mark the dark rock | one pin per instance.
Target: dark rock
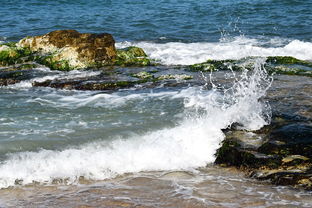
(284, 157)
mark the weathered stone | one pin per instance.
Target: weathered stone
(284, 157)
(132, 56)
(69, 49)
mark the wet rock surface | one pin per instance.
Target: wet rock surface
(282, 151)
(274, 64)
(111, 80)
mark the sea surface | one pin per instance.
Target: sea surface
(154, 147)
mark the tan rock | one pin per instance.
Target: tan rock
(78, 50)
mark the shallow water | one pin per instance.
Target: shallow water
(207, 187)
(149, 147)
(99, 143)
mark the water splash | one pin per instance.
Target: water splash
(190, 144)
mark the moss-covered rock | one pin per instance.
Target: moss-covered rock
(286, 60)
(143, 75)
(274, 64)
(214, 65)
(72, 50)
(53, 62)
(10, 55)
(175, 76)
(10, 44)
(132, 56)
(288, 65)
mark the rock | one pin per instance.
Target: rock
(175, 76)
(143, 75)
(69, 49)
(10, 55)
(213, 65)
(292, 158)
(132, 56)
(284, 157)
(6, 82)
(291, 139)
(274, 64)
(287, 60)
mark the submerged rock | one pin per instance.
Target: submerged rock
(69, 49)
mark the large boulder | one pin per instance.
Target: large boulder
(69, 49)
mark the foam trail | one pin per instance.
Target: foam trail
(69, 75)
(176, 53)
(189, 145)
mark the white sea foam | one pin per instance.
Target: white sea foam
(189, 145)
(176, 53)
(59, 75)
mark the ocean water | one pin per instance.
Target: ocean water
(119, 146)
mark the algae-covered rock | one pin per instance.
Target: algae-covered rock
(10, 55)
(287, 60)
(215, 65)
(54, 63)
(132, 56)
(274, 64)
(69, 49)
(143, 75)
(175, 76)
(288, 65)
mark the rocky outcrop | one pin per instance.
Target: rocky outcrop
(66, 50)
(69, 49)
(280, 153)
(274, 64)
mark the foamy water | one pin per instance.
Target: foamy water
(176, 53)
(190, 144)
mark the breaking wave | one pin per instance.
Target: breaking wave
(190, 144)
(176, 53)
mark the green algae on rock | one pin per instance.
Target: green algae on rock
(143, 75)
(215, 65)
(69, 49)
(175, 76)
(132, 56)
(274, 64)
(288, 65)
(10, 55)
(287, 60)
